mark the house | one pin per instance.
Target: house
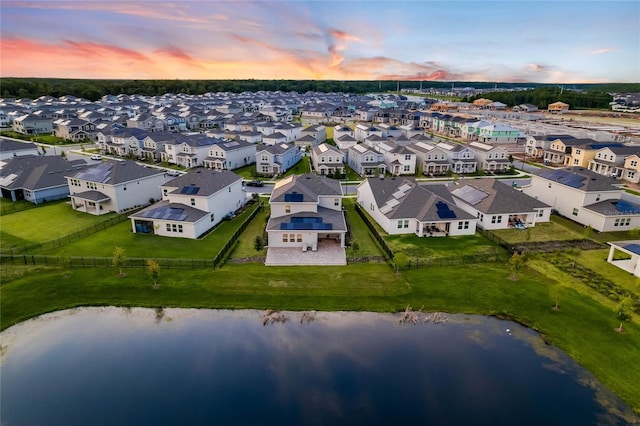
(274, 139)
(585, 197)
(525, 108)
(345, 142)
(401, 206)
(631, 169)
(74, 129)
(625, 255)
(399, 159)
(32, 124)
(230, 155)
(584, 150)
(363, 131)
(126, 141)
(462, 158)
(306, 215)
(273, 160)
(147, 122)
(609, 160)
(191, 204)
(497, 205)
(366, 161)
(342, 130)
(188, 150)
(153, 145)
(113, 186)
(318, 132)
(493, 159)
(432, 160)
(327, 160)
(10, 148)
(36, 178)
(557, 107)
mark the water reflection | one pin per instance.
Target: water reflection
(187, 366)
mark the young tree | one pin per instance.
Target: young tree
(153, 269)
(400, 260)
(119, 259)
(588, 231)
(623, 312)
(258, 243)
(355, 248)
(557, 291)
(516, 261)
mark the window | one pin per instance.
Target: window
(406, 168)
(265, 169)
(299, 238)
(403, 223)
(576, 162)
(212, 217)
(460, 224)
(598, 197)
(496, 219)
(168, 227)
(466, 224)
(287, 208)
(540, 213)
(265, 158)
(193, 201)
(633, 163)
(407, 157)
(179, 228)
(549, 184)
(336, 202)
(480, 217)
(285, 238)
(577, 152)
(575, 212)
(627, 222)
(92, 185)
(165, 191)
(631, 175)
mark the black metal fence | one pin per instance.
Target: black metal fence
(69, 238)
(101, 262)
(224, 252)
(383, 244)
(467, 259)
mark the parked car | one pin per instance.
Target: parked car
(254, 183)
(173, 173)
(96, 157)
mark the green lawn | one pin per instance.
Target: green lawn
(7, 206)
(246, 244)
(432, 248)
(48, 139)
(102, 243)
(543, 231)
(45, 223)
(596, 260)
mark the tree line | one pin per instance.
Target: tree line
(95, 89)
(543, 96)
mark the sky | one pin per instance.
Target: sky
(503, 41)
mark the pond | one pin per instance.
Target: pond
(106, 366)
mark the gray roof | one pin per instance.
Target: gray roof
(115, 172)
(334, 217)
(491, 196)
(207, 181)
(92, 196)
(176, 212)
(419, 202)
(37, 172)
(7, 145)
(309, 185)
(615, 208)
(579, 178)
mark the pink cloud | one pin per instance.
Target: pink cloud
(601, 51)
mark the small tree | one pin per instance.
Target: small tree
(623, 312)
(516, 261)
(119, 259)
(153, 269)
(258, 243)
(588, 231)
(557, 292)
(355, 248)
(63, 154)
(400, 260)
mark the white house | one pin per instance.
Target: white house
(401, 206)
(399, 159)
(497, 205)
(585, 197)
(191, 204)
(327, 159)
(305, 211)
(276, 159)
(10, 148)
(114, 186)
(365, 161)
(188, 150)
(491, 158)
(230, 155)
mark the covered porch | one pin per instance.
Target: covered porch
(626, 256)
(91, 202)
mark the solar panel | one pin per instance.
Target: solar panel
(299, 226)
(633, 248)
(293, 198)
(165, 212)
(444, 212)
(306, 220)
(626, 207)
(470, 194)
(190, 190)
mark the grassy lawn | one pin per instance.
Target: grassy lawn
(44, 223)
(7, 206)
(555, 230)
(245, 247)
(432, 248)
(596, 260)
(583, 327)
(48, 139)
(303, 166)
(102, 243)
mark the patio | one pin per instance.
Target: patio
(328, 252)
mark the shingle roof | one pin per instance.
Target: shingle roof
(158, 211)
(491, 196)
(37, 172)
(579, 178)
(309, 185)
(11, 145)
(207, 181)
(115, 172)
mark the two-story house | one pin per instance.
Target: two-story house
(366, 161)
(399, 159)
(492, 159)
(631, 169)
(126, 141)
(191, 204)
(188, 150)
(318, 132)
(32, 124)
(609, 160)
(230, 155)
(114, 186)
(74, 129)
(273, 160)
(306, 216)
(327, 160)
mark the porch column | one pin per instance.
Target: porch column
(611, 252)
(636, 270)
(342, 240)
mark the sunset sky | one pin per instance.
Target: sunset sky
(511, 41)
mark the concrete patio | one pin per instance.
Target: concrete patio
(329, 253)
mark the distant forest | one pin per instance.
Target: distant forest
(594, 98)
(95, 89)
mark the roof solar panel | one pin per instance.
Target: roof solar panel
(626, 207)
(633, 248)
(165, 212)
(190, 190)
(293, 197)
(444, 212)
